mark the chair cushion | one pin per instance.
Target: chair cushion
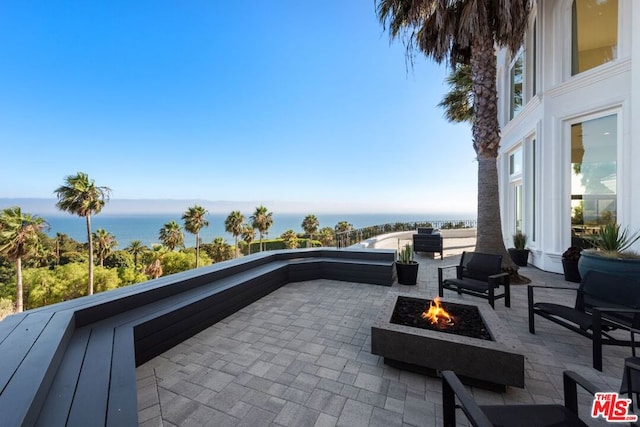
(471, 284)
(581, 319)
(531, 415)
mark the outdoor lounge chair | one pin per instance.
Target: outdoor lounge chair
(512, 415)
(631, 379)
(477, 274)
(604, 303)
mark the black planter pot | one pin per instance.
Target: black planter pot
(519, 256)
(407, 273)
(571, 273)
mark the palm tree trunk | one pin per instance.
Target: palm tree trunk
(19, 290)
(90, 240)
(236, 237)
(486, 142)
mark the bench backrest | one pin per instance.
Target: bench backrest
(425, 230)
(479, 266)
(598, 289)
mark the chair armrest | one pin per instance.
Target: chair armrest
(495, 278)
(530, 289)
(452, 388)
(571, 380)
(553, 287)
(597, 313)
(447, 266)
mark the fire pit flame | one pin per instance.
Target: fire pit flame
(436, 314)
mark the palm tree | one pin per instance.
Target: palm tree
(261, 220)
(171, 235)
(326, 236)
(467, 32)
(310, 226)
(154, 269)
(290, 239)
(234, 224)
(458, 102)
(105, 244)
(136, 248)
(248, 235)
(81, 196)
(220, 250)
(194, 221)
(19, 239)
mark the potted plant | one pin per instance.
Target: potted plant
(406, 266)
(519, 254)
(570, 259)
(611, 253)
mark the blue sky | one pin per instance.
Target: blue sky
(248, 100)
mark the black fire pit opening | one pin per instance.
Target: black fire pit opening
(467, 320)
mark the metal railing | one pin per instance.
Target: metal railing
(351, 237)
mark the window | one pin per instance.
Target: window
(516, 79)
(515, 163)
(593, 174)
(522, 73)
(594, 37)
(515, 184)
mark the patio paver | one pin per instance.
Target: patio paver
(301, 357)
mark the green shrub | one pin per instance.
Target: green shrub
(6, 307)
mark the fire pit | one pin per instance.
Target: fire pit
(486, 355)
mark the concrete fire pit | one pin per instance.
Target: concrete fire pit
(490, 364)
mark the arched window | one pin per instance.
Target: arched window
(594, 37)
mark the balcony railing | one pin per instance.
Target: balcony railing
(351, 237)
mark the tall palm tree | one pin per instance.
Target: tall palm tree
(194, 221)
(19, 239)
(234, 224)
(262, 221)
(248, 235)
(105, 244)
(467, 32)
(310, 225)
(171, 235)
(136, 248)
(81, 196)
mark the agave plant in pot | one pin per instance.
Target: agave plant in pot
(611, 252)
(406, 266)
(519, 254)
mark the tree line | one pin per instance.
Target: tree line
(37, 270)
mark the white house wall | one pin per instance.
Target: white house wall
(560, 100)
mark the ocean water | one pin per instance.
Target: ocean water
(146, 227)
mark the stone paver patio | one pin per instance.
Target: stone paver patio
(301, 357)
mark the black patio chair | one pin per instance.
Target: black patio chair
(512, 415)
(631, 379)
(604, 303)
(479, 275)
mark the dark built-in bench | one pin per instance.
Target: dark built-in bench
(74, 363)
